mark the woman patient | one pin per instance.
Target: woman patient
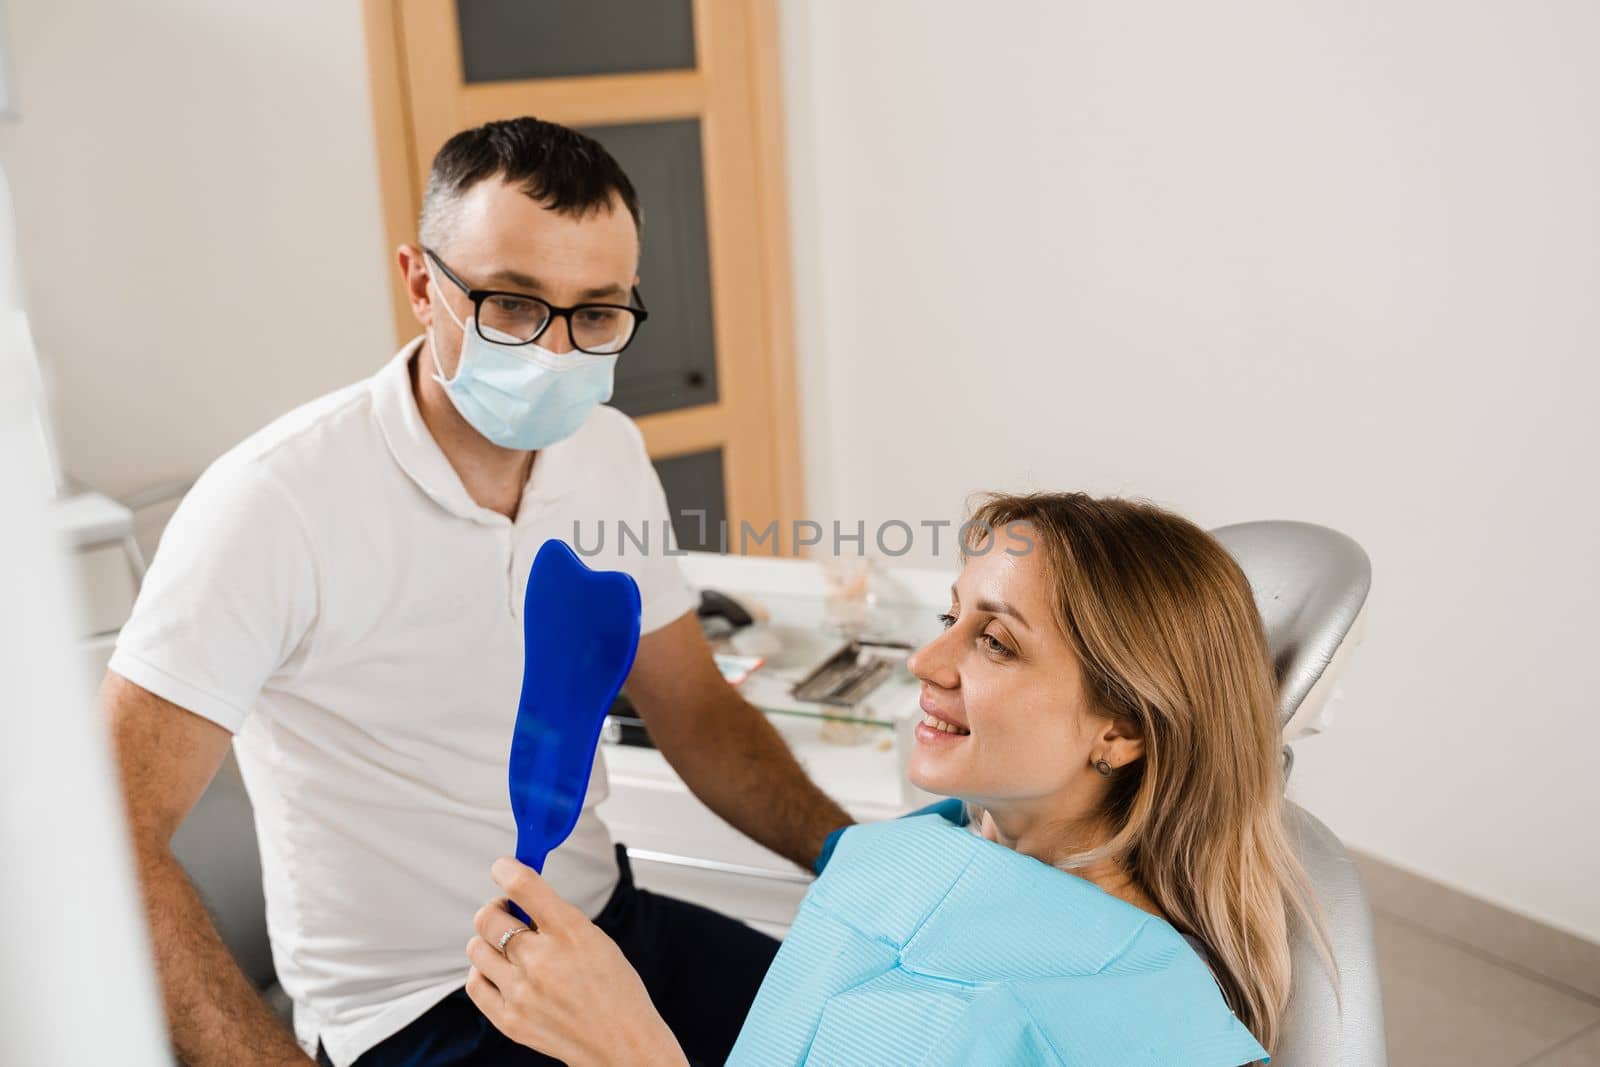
(1121, 885)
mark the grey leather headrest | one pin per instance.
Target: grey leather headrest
(1310, 584)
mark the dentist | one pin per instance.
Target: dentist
(339, 598)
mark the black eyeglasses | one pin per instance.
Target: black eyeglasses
(519, 319)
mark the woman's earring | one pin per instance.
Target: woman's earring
(1103, 767)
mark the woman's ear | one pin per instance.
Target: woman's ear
(1119, 744)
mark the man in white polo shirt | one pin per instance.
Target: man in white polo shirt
(340, 597)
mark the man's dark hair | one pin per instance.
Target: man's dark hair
(562, 169)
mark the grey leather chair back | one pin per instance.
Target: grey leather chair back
(217, 846)
(1310, 585)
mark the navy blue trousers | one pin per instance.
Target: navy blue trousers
(702, 970)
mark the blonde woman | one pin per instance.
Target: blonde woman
(1122, 889)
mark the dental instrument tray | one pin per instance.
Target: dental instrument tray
(851, 672)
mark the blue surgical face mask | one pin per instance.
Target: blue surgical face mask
(521, 397)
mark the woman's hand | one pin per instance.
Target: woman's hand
(563, 987)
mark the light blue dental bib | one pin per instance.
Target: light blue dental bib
(922, 943)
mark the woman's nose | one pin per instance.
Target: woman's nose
(933, 663)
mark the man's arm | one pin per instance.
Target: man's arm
(726, 751)
(167, 757)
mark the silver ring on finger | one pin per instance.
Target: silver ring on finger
(505, 938)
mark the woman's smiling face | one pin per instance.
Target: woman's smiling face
(1006, 719)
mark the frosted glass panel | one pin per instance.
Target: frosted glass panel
(672, 363)
(510, 40)
(694, 484)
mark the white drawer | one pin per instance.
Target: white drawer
(665, 817)
(760, 900)
(679, 847)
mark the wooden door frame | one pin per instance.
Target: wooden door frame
(664, 94)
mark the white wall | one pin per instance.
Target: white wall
(196, 190)
(1335, 262)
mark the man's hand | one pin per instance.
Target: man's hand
(562, 987)
(167, 758)
(726, 751)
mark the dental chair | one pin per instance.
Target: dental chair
(1310, 585)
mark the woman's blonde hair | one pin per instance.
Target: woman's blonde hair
(1170, 643)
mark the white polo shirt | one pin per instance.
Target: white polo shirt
(329, 592)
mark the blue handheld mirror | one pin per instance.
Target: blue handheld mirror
(580, 633)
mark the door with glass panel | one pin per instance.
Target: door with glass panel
(684, 93)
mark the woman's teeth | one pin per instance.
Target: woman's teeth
(942, 726)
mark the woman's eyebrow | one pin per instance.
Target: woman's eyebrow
(1000, 607)
(993, 607)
